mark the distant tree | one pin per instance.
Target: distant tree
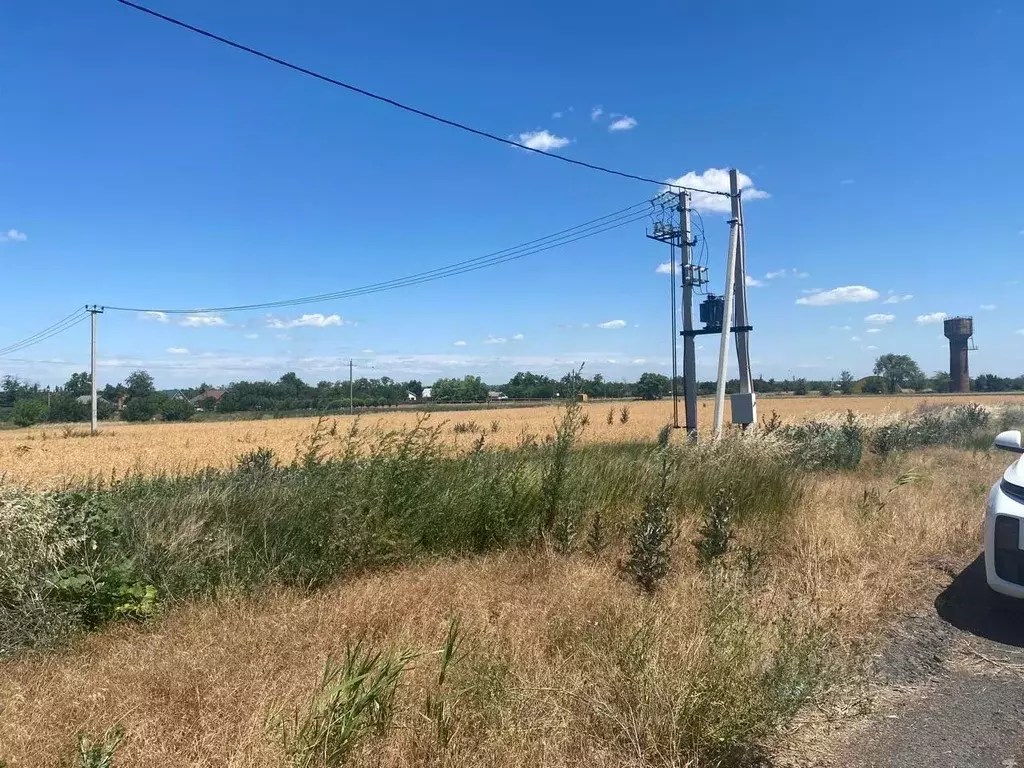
(79, 384)
(651, 386)
(874, 385)
(800, 387)
(470, 388)
(28, 412)
(141, 408)
(846, 382)
(940, 381)
(66, 408)
(416, 387)
(139, 384)
(898, 371)
(177, 410)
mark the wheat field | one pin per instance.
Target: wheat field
(45, 457)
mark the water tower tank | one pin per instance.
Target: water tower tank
(959, 331)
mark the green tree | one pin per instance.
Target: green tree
(28, 412)
(846, 382)
(177, 410)
(141, 408)
(65, 408)
(79, 384)
(898, 371)
(139, 384)
(651, 386)
(800, 387)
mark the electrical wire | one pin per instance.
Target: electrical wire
(399, 105)
(49, 332)
(594, 227)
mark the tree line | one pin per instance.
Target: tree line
(26, 403)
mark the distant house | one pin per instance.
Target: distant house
(410, 397)
(495, 395)
(210, 397)
(428, 393)
(174, 394)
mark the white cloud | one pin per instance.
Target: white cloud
(542, 140)
(715, 180)
(801, 275)
(596, 112)
(315, 320)
(1019, 331)
(806, 291)
(202, 321)
(847, 182)
(988, 307)
(367, 351)
(776, 273)
(622, 123)
(874, 330)
(13, 235)
(177, 351)
(612, 324)
(518, 337)
(897, 298)
(933, 317)
(252, 335)
(495, 340)
(160, 317)
(664, 269)
(879, 319)
(870, 347)
(459, 343)
(753, 282)
(855, 338)
(556, 115)
(846, 294)
(839, 327)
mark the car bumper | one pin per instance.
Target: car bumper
(1004, 567)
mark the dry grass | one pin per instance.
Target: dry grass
(42, 457)
(549, 679)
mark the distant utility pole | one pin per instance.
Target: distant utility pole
(690, 278)
(93, 310)
(351, 400)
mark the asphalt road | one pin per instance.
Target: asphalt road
(952, 683)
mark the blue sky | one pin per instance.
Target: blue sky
(145, 166)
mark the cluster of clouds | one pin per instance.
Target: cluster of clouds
(544, 140)
(13, 236)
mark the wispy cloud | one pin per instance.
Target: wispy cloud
(753, 282)
(13, 236)
(202, 321)
(160, 317)
(874, 330)
(775, 274)
(931, 317)
(855, 338)
(596, 113)
(315, 320)
(518, 337)
(495, 340)
(847, 182)
(543, 140)
(715, 180)
(611, 324)
(845, 294)
(664, 269)
(459, 343)
(988, 307)
(556, 115)
(785, 273)
(879, 319)
(177, 351)
(622, 123)
(896, 298)
(252, 335)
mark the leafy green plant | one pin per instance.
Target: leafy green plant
(555, 473)
(99, 754)
(440, 706)
(650, 536)
(28, 412)
(353, 700)
(715, 532)
(597, 534)
(664, 435)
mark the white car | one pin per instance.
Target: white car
(1004, 524)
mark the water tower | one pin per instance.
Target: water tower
(959, 331)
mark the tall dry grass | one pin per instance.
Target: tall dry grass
(564, 663)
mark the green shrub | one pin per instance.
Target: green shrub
(177, 410)
(650, 536)
(28, 412)
(141, 408)
(64, 408)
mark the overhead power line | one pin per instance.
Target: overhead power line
(399, 105)
(76, 317)
(591, 228)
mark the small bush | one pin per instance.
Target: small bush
(650, 535)
(143, 408)
(624, 414)
(610, 418)
(28, 412)
(716, 531)
(465, 427)
(177, 410)
(99, 754)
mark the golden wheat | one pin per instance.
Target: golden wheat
(43, 457)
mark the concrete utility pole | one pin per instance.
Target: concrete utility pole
(749, 409)
(689, 353)
(723, 347)
(675, 335)
(93, 310)
(351, 390)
